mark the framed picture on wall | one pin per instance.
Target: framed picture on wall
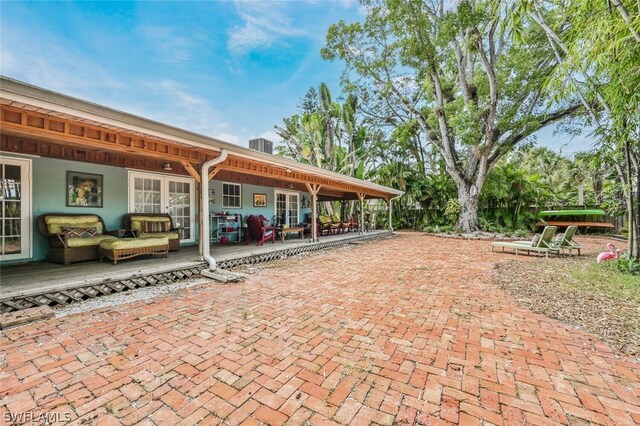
(259, 200)
(84, 189)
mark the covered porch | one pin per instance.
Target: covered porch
(43, 283)
(142, 166)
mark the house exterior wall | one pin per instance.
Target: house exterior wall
(247, 208)
(48, 196)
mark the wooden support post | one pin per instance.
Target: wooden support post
(203, 239)
(313, 193)
(361, 196)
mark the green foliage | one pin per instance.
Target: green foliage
(325, 134)
(450, 76)
(452, 210)
(521, 233)
(597, 45)
(628, 265)
(511, 195)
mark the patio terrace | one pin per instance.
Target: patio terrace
(409, 330)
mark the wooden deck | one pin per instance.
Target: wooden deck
(44, 283)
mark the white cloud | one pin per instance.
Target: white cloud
(50, 64)
(169, 46)
(171, 102)
(270, 135)
(228, 137)
(264, 24)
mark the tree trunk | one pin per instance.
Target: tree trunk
(581, 194)
(637, 241)
(468, 200)
(633, 225)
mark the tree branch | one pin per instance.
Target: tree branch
(515, 138)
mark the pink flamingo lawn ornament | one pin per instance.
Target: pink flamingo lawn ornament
(612, 254)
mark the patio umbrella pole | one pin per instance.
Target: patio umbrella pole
(213, 271)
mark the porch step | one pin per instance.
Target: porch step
(25, 316)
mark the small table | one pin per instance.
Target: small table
(285, 231)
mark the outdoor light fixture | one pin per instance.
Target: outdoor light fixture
(212, 196)
(290, 186)
(288, 170)
(167, 167)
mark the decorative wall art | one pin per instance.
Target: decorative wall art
(84, 189)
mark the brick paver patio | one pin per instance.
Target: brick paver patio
(408, 330)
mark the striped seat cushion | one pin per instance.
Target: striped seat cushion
(151, 227)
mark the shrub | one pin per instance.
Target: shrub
(628, 265)
(452, 210)
(521, 233)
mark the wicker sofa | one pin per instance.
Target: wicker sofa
(153, 225)
(65, 245)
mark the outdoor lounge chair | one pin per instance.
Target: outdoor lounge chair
(565, 241)
(258, 232)
(544, 244)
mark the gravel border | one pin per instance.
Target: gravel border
(144, 294)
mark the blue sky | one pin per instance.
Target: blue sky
(227, 69)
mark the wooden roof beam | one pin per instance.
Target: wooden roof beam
(189, 168)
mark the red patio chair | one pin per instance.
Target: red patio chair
(258, 232)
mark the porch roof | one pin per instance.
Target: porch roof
(181, 146)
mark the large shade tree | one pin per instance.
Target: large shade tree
(473, 91)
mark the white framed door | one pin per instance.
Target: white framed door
(15, 209)
(151, 193)
(287, 207)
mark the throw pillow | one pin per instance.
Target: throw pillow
(80, 232)
(151, 227)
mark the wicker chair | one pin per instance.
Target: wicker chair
(326, 225)
(65, 249)
(343, 226)
(133, 222)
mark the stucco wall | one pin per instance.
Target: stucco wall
(48, 186)
(247, 201)
(247, 208)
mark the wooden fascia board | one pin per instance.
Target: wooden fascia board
(23, 129)
(28, 132)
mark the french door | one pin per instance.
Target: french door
(15, 208)
(288, 208)
(150, 193)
